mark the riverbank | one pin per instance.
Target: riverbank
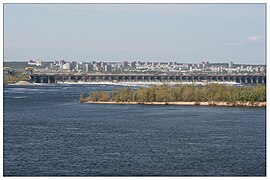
(210, 103)
(25, 83)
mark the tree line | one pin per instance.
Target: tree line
(186, 93)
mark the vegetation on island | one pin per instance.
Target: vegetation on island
(10, 79)
(181, 93)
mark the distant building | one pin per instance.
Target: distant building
(107, 68)
(205, 64)
(88, 67)
(79, 65)
(31, 62)
(133, 64)
(29, 70)
(35, 63)
(7, 70)
(125, 63)
(66, 66)
(242, 68)
(62, 62)
(257, 69)
(73, 65)
(138, 63)
(102, 64)
(231, 65)
(263, 70)
(95, 67)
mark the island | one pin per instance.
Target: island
(208, 95)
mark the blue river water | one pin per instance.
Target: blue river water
(48, 133)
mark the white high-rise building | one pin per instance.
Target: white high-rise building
(66, 66)
(35, 63)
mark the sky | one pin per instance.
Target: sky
(188, 33)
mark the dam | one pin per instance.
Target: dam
(80, 77)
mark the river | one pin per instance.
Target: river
(48, 133)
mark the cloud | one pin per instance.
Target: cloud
(240, 43)
(249, 40)
(256, 38)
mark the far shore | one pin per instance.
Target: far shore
(210, 103)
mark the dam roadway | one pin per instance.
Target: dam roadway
(84, 77)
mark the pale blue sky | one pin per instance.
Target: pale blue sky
(147, 32)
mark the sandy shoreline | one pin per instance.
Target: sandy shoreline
(210, 103)
(24, 83)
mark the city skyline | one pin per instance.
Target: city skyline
(188, 33)
(134, 60)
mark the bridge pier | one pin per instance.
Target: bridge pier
(50, 78)
(34, 79)
(41, 79)
(251, 80)
(246, 80)
(263, 80)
